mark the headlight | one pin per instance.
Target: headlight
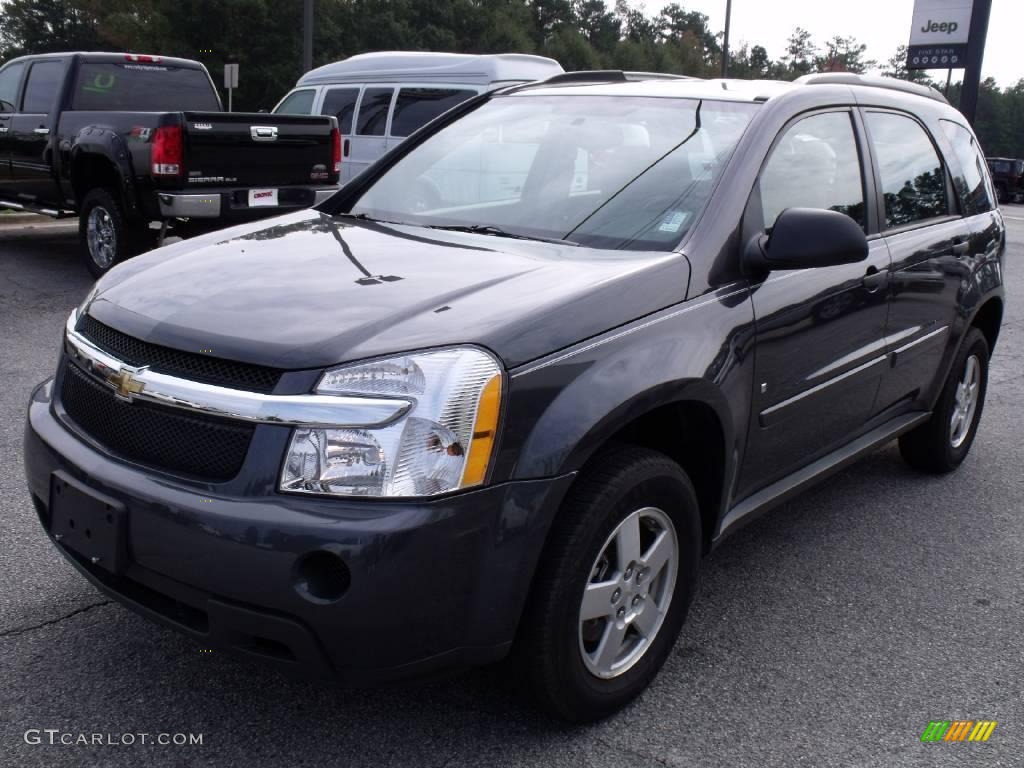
(442, 444)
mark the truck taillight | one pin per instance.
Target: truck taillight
(336, 150)
(168, 151)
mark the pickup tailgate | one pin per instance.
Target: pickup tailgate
(257, 149)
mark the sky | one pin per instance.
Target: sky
(881, 24)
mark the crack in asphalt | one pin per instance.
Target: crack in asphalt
(15, 631)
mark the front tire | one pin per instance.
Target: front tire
(105, 234)
(941, 444)
(613, 586)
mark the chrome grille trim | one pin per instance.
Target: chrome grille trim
(197, 397)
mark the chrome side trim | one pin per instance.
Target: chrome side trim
(767, 414)
(921, 340)
(292, 410)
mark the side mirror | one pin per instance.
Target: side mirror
(6, 106)
(807, 237)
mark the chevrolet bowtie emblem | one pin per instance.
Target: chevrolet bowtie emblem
(125, 385)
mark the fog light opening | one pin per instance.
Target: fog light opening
(321, 576)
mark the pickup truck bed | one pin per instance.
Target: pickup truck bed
(123, 140)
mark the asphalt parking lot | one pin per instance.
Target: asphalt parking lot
(828, 633)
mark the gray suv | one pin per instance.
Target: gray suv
(506, 389)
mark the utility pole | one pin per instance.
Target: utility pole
(725, 39)
(307, 35)
(975, 54)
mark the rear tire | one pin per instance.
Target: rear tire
(942, 443)
(106, 235)
(628, 500)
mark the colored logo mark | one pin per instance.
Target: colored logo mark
(958, 730)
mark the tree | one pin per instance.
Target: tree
(799, 57)
(31, 26)
(844, 54)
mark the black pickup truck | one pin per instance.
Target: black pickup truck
(125, 140)
(1008, 178)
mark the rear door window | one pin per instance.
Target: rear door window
(297, 103)
(373, 111)
(10, 79)
(913, 182)
(136, 87)
(341, 102)
(972, 182)
(415, 107)
(44, 80)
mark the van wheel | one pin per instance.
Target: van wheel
(942, 443)
(105, 234)
(613, 585)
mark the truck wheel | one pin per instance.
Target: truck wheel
(941, 443)
(1001, 196)
(105, 234)
(613, 584)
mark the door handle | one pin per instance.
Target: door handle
(345, 150)
(874, 279)
(41, 131)
(961, 247)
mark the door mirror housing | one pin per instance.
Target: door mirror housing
(807, 237)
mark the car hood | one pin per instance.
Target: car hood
(308, 290)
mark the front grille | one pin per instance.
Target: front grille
(205, 447)
(174, 362)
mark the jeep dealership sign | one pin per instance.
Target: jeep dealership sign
(938, 35)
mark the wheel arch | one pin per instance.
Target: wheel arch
(100, 158)
(988, 318)
(689, 422)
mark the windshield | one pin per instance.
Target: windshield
(132, 87)
(620, 173)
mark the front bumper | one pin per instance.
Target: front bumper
(433, 583)
(234, 203)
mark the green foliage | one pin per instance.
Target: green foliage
(265, 38)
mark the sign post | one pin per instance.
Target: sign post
(950, 34)
(230, 81)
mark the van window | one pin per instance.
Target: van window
(973, 184)
(297, 103)
(415, 107)
(10, 78)
(341, 102)
(44, 78)
(814, 165)
(373, 111)
(912, 180)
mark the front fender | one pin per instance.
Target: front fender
(563, 408)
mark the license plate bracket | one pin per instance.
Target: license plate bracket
(262, 198)
(88, 523)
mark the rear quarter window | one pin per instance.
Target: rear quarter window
(132, 87)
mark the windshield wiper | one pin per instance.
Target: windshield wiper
(480, 229)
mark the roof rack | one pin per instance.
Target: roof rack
(587, 76)
(889, 83)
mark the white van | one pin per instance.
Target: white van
(380, 98)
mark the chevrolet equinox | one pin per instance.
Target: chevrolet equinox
(507, 387)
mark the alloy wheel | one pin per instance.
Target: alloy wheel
(966, 402)
(101, 236)
(629, 592)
